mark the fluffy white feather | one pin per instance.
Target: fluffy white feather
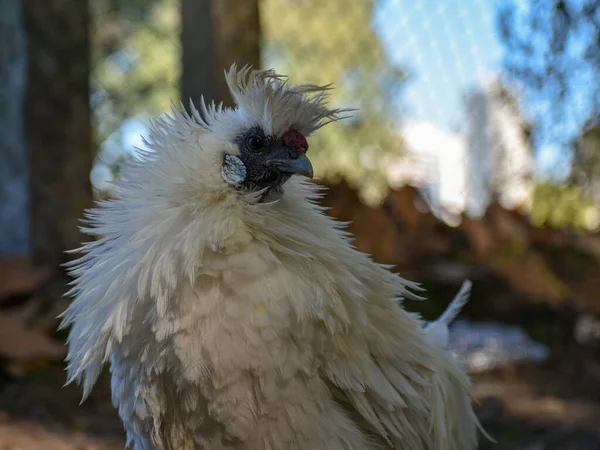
(232, 323)
(438, 331)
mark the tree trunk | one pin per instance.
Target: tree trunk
(14, 172)
(215, 34)
(58, 126)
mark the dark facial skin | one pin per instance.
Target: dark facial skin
(270, 161)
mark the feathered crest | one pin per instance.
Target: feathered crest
(264, 97)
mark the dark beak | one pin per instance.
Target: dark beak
(299, 166)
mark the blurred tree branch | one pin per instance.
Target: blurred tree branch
(14, 202)
(215, 34)
(58, 129)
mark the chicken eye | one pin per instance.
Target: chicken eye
(255, 143)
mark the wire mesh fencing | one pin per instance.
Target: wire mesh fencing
(436, 107)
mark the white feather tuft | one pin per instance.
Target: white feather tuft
(438, 331)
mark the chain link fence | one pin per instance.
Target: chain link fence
(438, 104)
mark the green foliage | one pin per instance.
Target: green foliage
(136, 60)
(137, 69)
(552, 51)
(563, 206)
(334, 42)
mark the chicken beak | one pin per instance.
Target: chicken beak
(298, 166)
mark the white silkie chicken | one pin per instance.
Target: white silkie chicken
(236, 315)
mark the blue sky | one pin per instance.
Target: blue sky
(446, 45)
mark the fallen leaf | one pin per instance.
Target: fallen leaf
(18, 276)
(25, 344)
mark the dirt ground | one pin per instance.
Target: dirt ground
(553, 406)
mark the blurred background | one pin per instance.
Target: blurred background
(474, 153)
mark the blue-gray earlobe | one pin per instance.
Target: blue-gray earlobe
(233, 170)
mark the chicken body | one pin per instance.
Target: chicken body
(238, 320)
